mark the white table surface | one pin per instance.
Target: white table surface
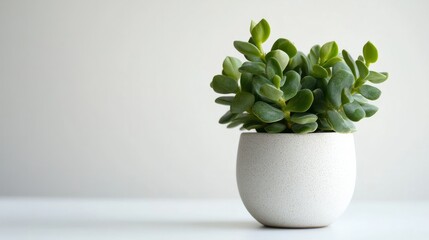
(196, 219)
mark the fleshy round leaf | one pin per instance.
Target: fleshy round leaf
(230, 67)
(281, 57)
(338, 123)
(223, 84)
(303, 118)
(331, 62)
(308, 82)
(224, 100)
(271, 92)
(275, 127)
(351, 63)
(277, 81)
(323, 124)
(369, 109)
(286, 46)
(258, 82)
(260, 32)
(304, 128)
(363, 69)
(227, 117)
(346, 96)
(376, 77)
(292, 84)
(273, 68)
(370, 92)
(354, 111)
(246, 82)
(267, 113)
(319, 103)
(342, 79)
(247, 49)
(340, 66)
(301, 102)
(257, 68)
(252, 125)
(314, 55)
(370, 53)
(328, 51)
(319, 71)
(296, 61)
(242, 102)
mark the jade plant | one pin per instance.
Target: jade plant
(284, 90)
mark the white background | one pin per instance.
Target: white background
(112, 98)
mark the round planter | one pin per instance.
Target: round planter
(296, 180)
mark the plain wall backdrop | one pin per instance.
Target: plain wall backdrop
(112, 98)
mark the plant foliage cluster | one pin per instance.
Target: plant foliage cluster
(285, 90)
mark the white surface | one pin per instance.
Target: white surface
(196, 219)
(296, 180)
(106, 98)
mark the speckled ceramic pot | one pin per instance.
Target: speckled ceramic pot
(296, 180)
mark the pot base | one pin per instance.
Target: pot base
(296, 180)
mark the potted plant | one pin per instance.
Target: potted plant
(298, 169)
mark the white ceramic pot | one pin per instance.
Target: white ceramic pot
(296, 180)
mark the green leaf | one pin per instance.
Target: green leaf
(376, 77)
(340, 66)
(301, 102)
(328, 51)
(319, 103)
(224, 100)
(246, 82)
(363, 70)
(227, 117)
(296, 61)
(305, 67)
(271, 92)
(314, 55)
(369, 109)
(359, 98)
(304, 128)
(341, 79)
(242, 102)
(223, 84)
(331, 62)
(258, 82)
(338, 123)
(261, 32)
(354, 111)
(303, 118)
(252, 25)
(257, 68)
(292, 84)
(308, 82)
(370, 92)
(247, 49)
(286, 46)
(230, 67)
(242, 119)
(370, 53)
(252, 125)
(346, 96)
(351, 63)
(267, 113)
(323, 124)
(275, 127)
(281, 57)
(319, 71)
(277, 81)
(273, 68)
